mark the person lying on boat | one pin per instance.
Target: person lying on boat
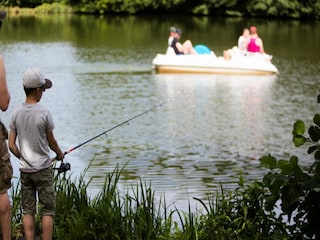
(255, 44)
(184, 48)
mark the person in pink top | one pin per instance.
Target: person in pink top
(255, 43)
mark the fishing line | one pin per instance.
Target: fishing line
(66, 166)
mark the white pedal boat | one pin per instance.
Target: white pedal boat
(255, 64)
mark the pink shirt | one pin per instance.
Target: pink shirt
(252, 46)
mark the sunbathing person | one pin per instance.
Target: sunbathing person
(185, 48)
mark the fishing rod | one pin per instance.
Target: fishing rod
(66, 166)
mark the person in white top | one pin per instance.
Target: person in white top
(172, 34)
(241, 48)
(243, 39)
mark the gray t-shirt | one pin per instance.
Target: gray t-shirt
(31, 122)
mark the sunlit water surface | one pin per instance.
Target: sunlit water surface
(203, 130)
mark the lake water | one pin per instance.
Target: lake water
(210, 128)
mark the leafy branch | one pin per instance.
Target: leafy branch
(298, 191)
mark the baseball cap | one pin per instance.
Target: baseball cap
(34, 78)
(178, 30)
(172, 29)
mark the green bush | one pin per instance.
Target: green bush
(297, 189)
(249, 8)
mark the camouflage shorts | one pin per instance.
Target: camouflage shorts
(41, 182)
(5, 164)
(5, 173)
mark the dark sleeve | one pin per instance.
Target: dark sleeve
(173, 45)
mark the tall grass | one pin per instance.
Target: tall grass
(110, 214)
(240, 214)
(16, 226)
(138, 215)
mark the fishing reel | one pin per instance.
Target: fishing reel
(64, 167)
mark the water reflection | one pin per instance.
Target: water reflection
(211, 129)
(227, 110)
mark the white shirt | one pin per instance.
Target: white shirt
(30, 123)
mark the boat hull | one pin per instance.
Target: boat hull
(209, 63)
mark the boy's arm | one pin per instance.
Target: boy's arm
(54, 145)
(12, 144)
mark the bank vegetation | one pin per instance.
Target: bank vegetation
(297, 9)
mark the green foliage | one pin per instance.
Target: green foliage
(298, 131)
(138, 6)
(261, 8)
(240, 214)
(53, 8)
(250, 211)
(109, 215)
(201, 10)
(298, 190)
(16, 220)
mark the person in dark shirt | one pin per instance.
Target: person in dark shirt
(184, 48)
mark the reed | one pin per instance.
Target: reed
(240, 214)
(109, 215)
(16, 226)
(137, 214)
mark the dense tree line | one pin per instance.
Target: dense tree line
(247, 8)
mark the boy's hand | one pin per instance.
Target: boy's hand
(60, 156)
